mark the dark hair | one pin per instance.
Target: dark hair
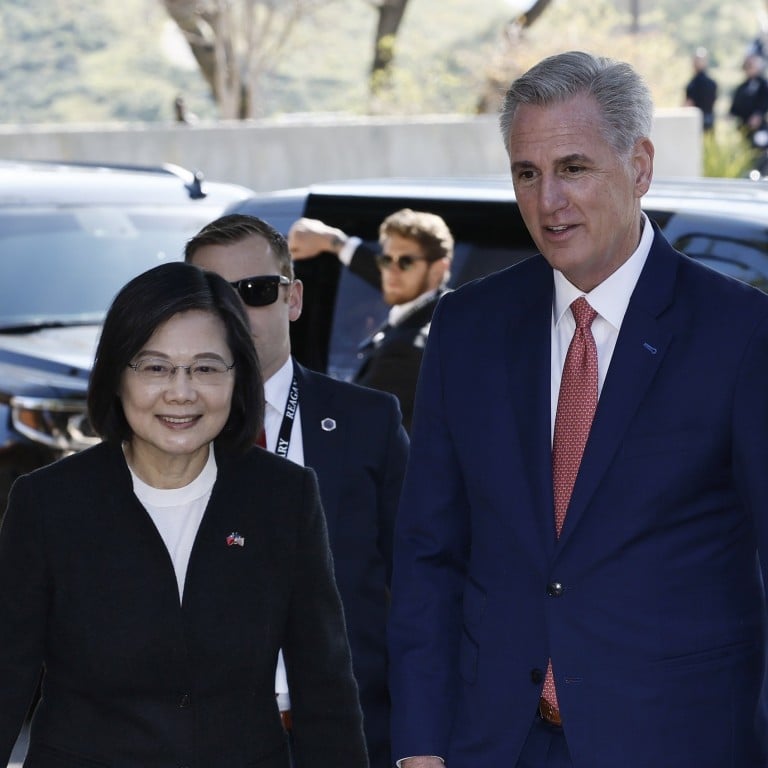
(235, 227)
(138, 310)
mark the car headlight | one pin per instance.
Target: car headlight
(61, 424)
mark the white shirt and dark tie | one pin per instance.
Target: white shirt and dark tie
(276, 390)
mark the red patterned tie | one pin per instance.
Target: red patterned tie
(576, 406)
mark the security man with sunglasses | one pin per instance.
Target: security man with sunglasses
(351, 436)
(412, 270)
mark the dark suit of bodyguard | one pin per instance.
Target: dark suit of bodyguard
(391, 357)
(411, 270)
(351, 436)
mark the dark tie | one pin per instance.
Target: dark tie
(576, 405)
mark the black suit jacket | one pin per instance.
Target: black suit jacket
(354, 440)
(133, 677)
(391, 357)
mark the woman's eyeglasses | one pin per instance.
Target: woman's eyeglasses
(260, 291)
(404, 263)
(205, 371)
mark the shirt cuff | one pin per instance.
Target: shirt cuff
(348, 250)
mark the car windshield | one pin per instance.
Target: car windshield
(63, 266)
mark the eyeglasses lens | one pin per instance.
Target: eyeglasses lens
(205, 371)
(404, 263)
(259, 291)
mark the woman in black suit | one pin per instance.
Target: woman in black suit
(155, 576)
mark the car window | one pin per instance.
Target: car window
(360, 309)
(725, 231)
(743, 259)
(67, 264)
(734, 246)
(471, 260)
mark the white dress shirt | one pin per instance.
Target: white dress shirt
(348, 250)
(609, 299)
(276, 389)
(399, 312)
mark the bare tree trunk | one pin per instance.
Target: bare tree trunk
(526, 19)
(228, 75)
(391, 14)
(235, 42)
(199, 36)
(498, 72)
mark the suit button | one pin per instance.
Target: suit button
(555, 589)
(184, 701)
(537, 676)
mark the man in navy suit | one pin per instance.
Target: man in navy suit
(350, 435)
(634, 634)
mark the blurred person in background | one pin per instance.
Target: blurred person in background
(155, 576)
(412, 270)
(351, 436)
(701, 90)
(750, 101)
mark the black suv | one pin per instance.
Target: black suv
(722, 222)
(70, 237)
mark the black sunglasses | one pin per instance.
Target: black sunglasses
(260, 291)
(404, 263)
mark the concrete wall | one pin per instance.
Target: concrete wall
(295, 151)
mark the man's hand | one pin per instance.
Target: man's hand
(422, 762)
(310, 237)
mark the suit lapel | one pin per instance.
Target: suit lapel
(323, 429)
(640, 348)
(528, 342)
(418, 317)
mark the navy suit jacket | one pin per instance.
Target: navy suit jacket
(360, 464)
(657, 632)
(136, 678)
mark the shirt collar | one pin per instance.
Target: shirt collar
(399, 311)
(611, 298)
(277, 386)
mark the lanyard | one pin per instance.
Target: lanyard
(284, 436)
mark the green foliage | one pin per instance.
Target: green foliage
(727, 154)
(75, 60)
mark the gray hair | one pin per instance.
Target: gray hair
(622, 95)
